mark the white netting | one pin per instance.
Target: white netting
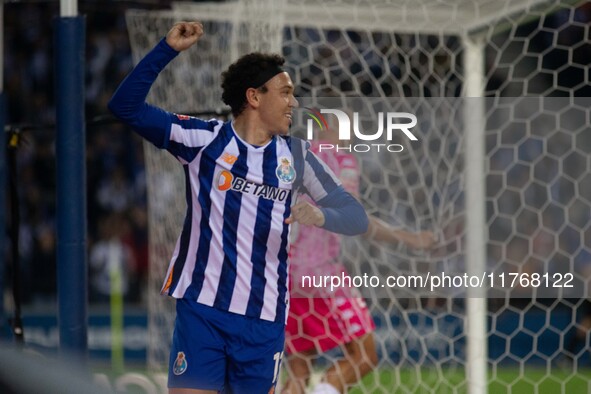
(538, 189)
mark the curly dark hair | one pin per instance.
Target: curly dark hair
(250, 71)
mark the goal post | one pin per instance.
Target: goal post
(476, 229)
(500, 171)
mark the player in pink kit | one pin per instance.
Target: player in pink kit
(320, 320)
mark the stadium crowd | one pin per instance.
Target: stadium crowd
(116, 194)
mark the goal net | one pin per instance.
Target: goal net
(500, 173)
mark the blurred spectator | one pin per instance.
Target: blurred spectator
(137, 240)
(115, 193)
(111, 260)
(43, 278)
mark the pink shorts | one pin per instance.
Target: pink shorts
(325, 323)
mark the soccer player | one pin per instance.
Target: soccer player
(229, 270)
(318, 320)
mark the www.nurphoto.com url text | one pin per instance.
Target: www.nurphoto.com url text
(441, 280)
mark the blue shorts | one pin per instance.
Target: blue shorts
(218, 350)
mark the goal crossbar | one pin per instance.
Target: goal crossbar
(422, 16)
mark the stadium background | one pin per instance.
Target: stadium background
(116, 174)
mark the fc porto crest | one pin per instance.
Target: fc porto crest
(180, 364)
(285, 171)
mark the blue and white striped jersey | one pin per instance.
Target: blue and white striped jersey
(232, 253)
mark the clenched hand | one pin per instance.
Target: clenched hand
(183, 35)
(305, 213)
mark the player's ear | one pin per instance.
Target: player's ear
(252, 97)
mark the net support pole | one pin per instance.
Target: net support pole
(71, 183)
(4, 329)
(476, 305)
(68, 8)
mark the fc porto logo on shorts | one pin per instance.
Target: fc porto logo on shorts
(285, 171)
(180, 364)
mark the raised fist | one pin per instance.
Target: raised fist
(183, 35)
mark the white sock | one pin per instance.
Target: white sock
(325, 388)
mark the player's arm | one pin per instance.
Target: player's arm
(129, 100)
(343, 213)
(381, 231)
(337, 211)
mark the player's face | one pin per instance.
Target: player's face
(278, 103)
